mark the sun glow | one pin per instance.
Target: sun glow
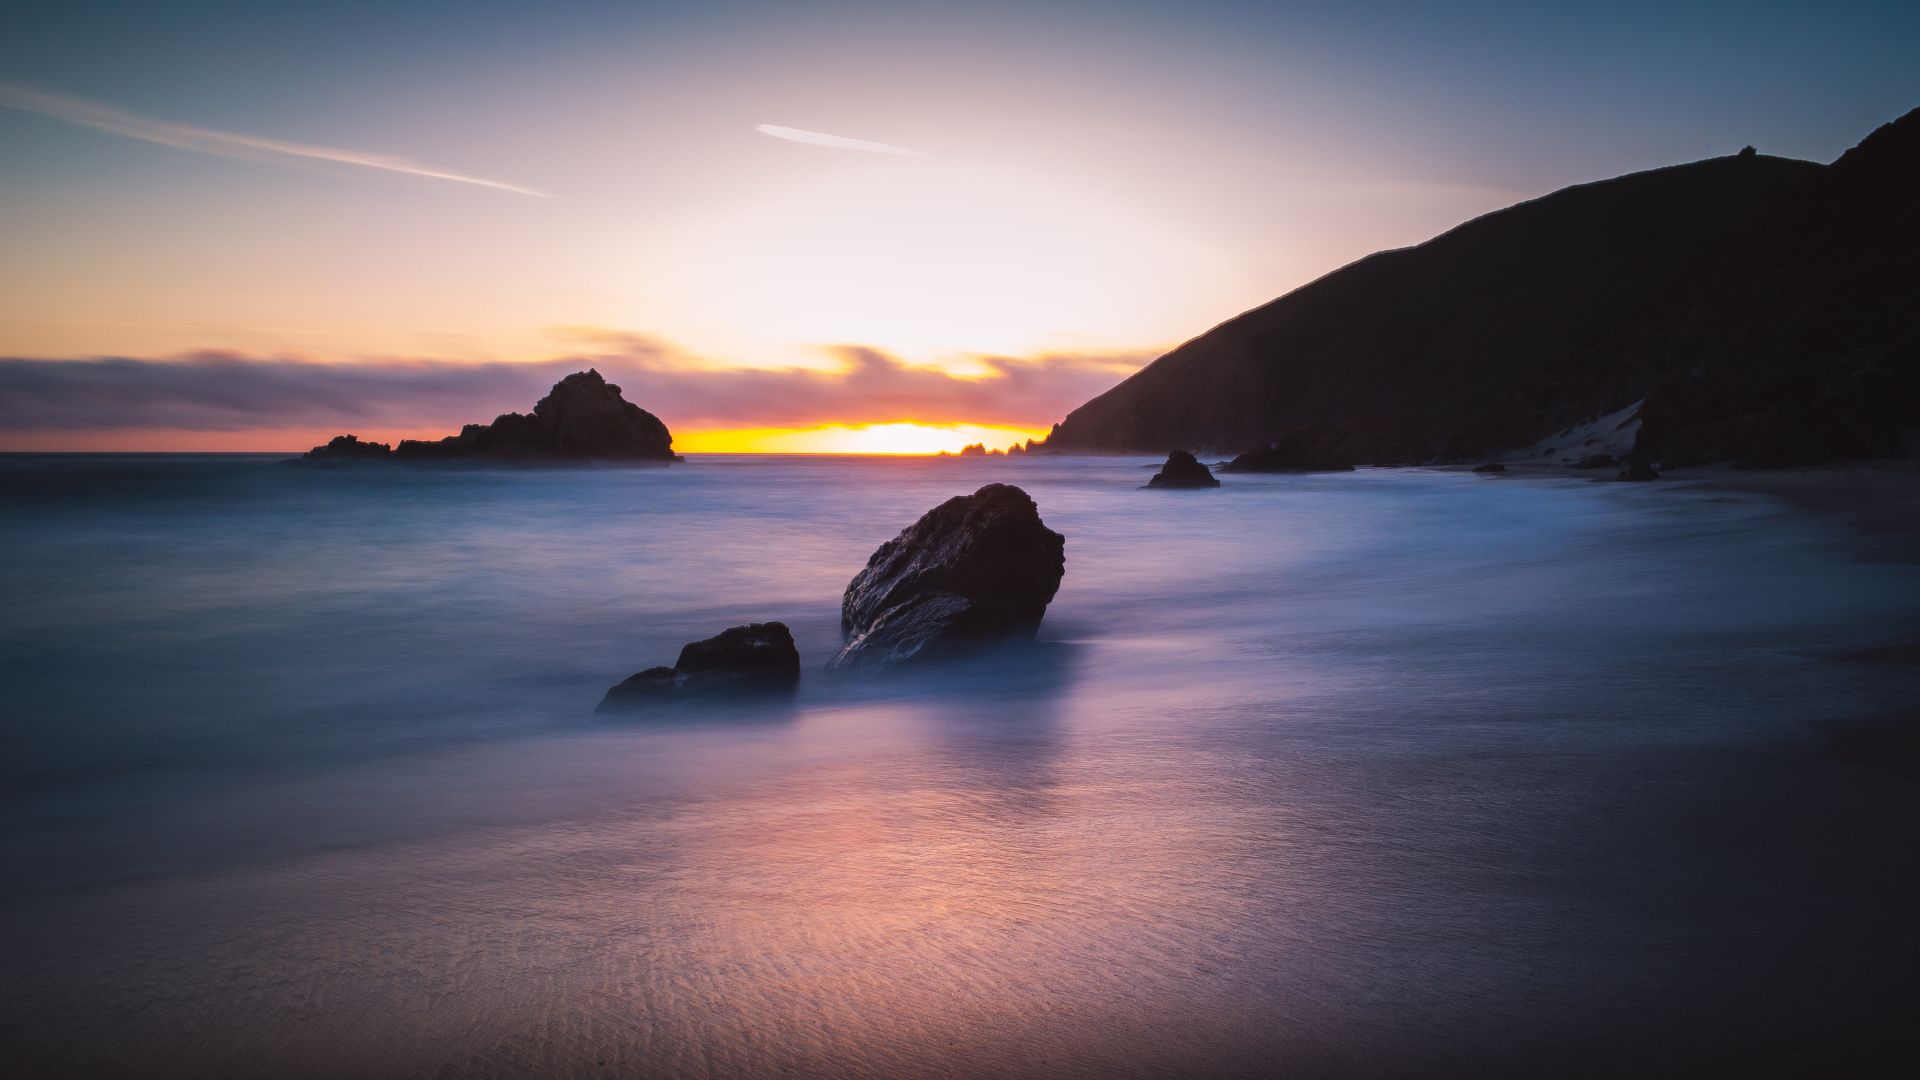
(924, 259)
(896, 438)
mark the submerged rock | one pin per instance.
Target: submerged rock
(1639, 470)
(583, 418)
(975, 569)
(1490, 467)
(1183, 470)
(758, 658)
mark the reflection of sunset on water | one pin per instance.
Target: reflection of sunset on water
(900, 438)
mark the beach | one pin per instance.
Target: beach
(1386, 772)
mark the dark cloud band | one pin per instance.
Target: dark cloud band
(219, 391)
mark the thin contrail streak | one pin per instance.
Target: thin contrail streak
(836, 142)
(223, 143)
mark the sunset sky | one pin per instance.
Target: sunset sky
(790, 226)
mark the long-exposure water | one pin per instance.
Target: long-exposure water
(1395, 771)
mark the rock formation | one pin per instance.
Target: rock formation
(976, 569)
(758, 658)
(1182, 470)
(582, 419)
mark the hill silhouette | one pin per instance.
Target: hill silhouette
(1800, 344)
(1714, 289)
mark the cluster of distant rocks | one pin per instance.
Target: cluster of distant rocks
(980, 450)
(1183, 470)
(975, 570)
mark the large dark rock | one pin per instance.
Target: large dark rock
(757, 659)
(583, 418)
(976, 569)
(1182, 470)
(1638, 470)
(1291, 453)
(1596, 461)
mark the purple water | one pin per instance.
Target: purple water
(1385, 772)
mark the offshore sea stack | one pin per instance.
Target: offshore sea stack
(972, 571)
(1183, 470)
(582, 419)
(758, 660)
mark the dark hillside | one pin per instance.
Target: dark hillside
(1444, 339)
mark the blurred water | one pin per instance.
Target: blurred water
(1380, 772)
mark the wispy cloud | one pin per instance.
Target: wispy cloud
(834, 142)
(224, 143)
(222, 391)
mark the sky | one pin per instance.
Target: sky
(791, 226)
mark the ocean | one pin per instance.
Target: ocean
(1385, 772)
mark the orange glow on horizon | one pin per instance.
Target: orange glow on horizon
(904, 437)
